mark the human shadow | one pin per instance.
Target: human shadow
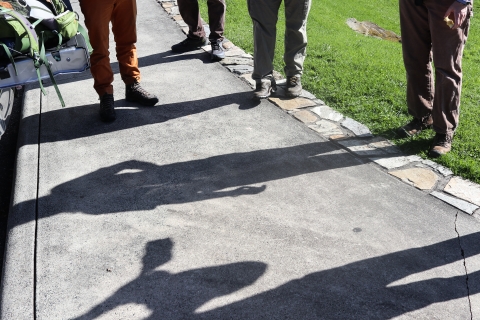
(367, 290)
(364, 289)
(143, 62)
(83, 121)
(136, 185)
(177, 295)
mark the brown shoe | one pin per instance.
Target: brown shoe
(442, 144)
(294, 87)
(264, 88)
(415, 126)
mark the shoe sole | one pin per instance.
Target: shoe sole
(147, 104)
(217, 57)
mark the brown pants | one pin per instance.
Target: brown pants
(216, 18)
(425, 36)
(98, 15)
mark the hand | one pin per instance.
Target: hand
(459, 13)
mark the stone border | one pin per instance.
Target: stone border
(351, 135)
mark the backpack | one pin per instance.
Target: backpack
(29, 28)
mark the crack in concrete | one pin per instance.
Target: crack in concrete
(465, 266)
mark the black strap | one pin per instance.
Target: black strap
(418, 2)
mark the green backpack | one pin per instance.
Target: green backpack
(32, 37)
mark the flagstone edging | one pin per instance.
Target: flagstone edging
(424, 174)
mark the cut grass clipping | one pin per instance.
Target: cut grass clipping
(364, 77)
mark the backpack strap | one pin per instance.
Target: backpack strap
(9, 55)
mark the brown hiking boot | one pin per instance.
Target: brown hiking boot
(415, 126)
(264, 88)
(294, 87)
(442, 144)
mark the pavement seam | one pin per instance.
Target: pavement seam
(35, 248)
(351, 135)
(465, 267)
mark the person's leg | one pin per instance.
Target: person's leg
(448, 48)
(296, 13)
(417, 56)
(216, 19)
(125, 33)
(97, 19)
(196, 37)
(264, 14)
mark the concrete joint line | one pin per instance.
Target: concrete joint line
(462, 252)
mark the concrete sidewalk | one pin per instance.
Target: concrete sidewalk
(213, 206)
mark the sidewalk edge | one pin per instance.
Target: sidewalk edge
(18, 278)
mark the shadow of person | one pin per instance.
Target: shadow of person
(177, 295)
(376, 288)
(84, 120)
(138, 186)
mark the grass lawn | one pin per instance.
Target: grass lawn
(364, 77)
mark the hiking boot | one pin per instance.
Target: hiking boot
(107, 111)
(218, 52)
(442, 144)
(264, 88)
(189, 44)
(294, 86)
(135, 93)
(415, 126)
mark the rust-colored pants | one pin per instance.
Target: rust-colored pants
(425, 36)
(98, 15)
(216, 18)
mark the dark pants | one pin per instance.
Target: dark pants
(426, 37)
(216, 18)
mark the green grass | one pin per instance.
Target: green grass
(364, 77)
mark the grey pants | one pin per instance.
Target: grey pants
(425, 36)
(264, 14)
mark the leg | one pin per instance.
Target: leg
(296, 13)
(264, 14)
(191, 15)
(416, 46)
(97, 18)
(125, 32)
(216, 19)
(448, 48)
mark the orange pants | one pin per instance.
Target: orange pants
(98, 15)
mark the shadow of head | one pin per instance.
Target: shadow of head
(157, 253)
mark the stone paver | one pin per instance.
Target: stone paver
(356, 127)
(236, 60)
(421, 178)
(457, 203)
(391, 162)
(327, 113)
(292, 104)
(464, 189)
(326, 128)
(305, 116)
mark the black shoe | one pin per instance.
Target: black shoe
(415, 126)
(135, 93)
(189, 44)
(107, 111)
(218, 52)
(294, 87)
